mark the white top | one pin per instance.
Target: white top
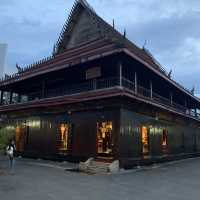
(10, 150)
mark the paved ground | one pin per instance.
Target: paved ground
(48, 181)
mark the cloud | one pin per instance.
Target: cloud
(170, 28)
(185, 60)
(30, 28)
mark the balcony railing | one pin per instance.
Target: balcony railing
(83, 87)
(97, 84)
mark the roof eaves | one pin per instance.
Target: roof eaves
(177, 85)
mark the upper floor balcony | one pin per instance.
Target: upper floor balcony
(123, 83)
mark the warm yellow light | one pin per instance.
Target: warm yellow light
(164, 138)
(64, 129)
(10, 127)
(144, 135)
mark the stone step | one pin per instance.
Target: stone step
(98, 167)
(96, 170)
(94, 163)
(93, 166)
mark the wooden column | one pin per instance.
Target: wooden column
(185, 104)
(1, 97)
(120, 74)
(19, 98)
(171, 98)
(135, 82)
(94, 83)
(151, 90)
(195, 112)
(11, 96)
(43, 89)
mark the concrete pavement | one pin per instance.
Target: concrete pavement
(175, 181)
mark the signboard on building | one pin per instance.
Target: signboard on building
(92, 73)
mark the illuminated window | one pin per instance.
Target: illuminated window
(145, 140)
(63, 138)
(164, 138)
(104, 137)
(20, 138)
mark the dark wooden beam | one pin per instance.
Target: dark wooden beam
(11, 96)
(2, 97)
(136, 83)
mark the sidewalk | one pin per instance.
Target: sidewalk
(36, 162)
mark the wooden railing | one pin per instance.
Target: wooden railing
(92, 85)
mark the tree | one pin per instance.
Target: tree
(6, 134)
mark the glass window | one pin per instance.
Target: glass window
(24, 99)
(63, 138)
(164, 138)
(104, 138)
(145, 140)
(6, 98)
(14, 98)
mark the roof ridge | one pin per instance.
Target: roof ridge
(85, 3)
(124, 40)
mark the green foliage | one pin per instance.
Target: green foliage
(6, 135)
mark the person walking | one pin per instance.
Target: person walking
(10, 152)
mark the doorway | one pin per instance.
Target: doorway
(105, 139)
(145, 140)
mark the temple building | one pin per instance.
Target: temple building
(100, 96)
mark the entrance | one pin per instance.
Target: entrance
(63, 138)
(104, 139)
(145, 140)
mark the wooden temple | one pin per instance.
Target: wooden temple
(98, 95)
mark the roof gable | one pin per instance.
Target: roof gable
(81, 27)
(84, 26)
(84, 29)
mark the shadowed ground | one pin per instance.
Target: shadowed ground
(47, 180)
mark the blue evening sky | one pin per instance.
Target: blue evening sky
(170, 27)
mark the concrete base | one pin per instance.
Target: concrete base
(114, 167)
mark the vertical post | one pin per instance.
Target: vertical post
(2, 97)
(195, 112)
(11, 96)
(185, 104)
(95, 84)
(171, 98)
(151, 90)
(19, 98)
(120, 74)
(136, 85)
(43, 89)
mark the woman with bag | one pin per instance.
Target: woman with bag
(10, 153)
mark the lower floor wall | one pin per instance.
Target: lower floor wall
(75, 135)
(144, 137)
(117, 133)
